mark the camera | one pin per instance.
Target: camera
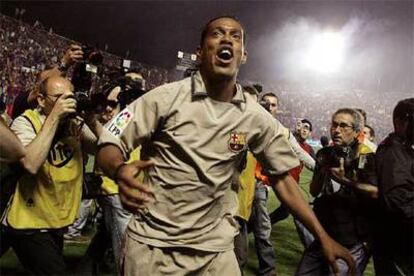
(89, 102)
(331, 157)
(92, 55)
(84, 74)
(131, 88)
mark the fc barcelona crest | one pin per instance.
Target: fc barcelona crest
(237, 141)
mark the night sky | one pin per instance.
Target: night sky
(381, 31)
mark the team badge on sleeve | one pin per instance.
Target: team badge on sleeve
(237, 141)
(120, 122)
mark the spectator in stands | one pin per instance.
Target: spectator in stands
(54, 168)
(393, 247)
(344, 183)
(195, 132)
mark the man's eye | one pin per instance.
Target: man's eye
(216, 33)
(237, 36)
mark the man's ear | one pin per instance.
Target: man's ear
(41, 100)
(198, 52)
(244, 58)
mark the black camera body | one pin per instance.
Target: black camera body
(82, 80)
(131, 89)
(89, 102)
(329, 157)
(92, 55)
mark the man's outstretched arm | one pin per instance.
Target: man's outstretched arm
(288, 192)
(11, 149)
(133, 193)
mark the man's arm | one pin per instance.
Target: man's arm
(317, 181)
(133, 193)
(288, 192)
(11, 149)
(38, 149)
(303, 156)
(90, 133)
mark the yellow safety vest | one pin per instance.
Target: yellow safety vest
(247, 188)
(51, 198)
(109, 187)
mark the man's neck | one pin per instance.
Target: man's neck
(220, 89)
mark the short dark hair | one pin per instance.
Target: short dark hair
(251, 90)
(404, 109)
(306, 121)
(205, 28)
(269, 94)
(371, 130)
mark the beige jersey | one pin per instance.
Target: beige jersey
(196, 144)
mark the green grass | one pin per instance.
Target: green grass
(286, 243)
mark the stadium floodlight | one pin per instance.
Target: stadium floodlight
(326, 52)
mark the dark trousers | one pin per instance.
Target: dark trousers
(241, 244)
(41, 253)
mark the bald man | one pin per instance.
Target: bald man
(47, 196)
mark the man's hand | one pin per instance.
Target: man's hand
(338, 174)
(333, 251)
(134, 194)
(64, 106)
(72, 55)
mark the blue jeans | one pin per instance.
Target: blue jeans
(262, 228)
(110, 232)
(305, 236)
(314, 263)
(85, 211)
(116, 220)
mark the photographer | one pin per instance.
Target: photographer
(111, 231)
(344, 183)
(47, 196)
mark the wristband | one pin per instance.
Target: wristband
(116, 172)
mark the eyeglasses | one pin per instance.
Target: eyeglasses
(53, 98)
(112, 103)
(342, 126)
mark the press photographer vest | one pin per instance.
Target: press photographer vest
(51, 198)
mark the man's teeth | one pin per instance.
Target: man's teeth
(225, 54)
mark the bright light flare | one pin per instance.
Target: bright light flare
(326, 52)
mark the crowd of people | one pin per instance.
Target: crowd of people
(26, 50)
(185, 168)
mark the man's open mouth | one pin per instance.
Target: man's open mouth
(225, 54)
